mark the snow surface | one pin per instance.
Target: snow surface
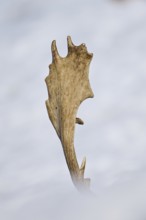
(34, 179)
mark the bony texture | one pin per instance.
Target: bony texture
(68, 85)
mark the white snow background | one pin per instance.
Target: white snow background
(34, 180)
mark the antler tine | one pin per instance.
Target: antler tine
(69, 43)
(83, 165)
(55, 54)
(69, 40)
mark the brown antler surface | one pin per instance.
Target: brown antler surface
(68, 85)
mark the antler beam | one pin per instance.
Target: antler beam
(68, 85)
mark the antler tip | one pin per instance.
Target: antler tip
(69, 41)
(53, 46)
(83, 164)
(54, 50)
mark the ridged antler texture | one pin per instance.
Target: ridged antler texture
(68, 85)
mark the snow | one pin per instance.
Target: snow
(34, 179)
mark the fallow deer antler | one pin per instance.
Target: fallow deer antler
(68, 85)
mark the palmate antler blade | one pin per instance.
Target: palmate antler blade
(68, 85)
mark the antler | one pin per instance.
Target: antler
(68, 85)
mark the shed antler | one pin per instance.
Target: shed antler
(68, 85)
